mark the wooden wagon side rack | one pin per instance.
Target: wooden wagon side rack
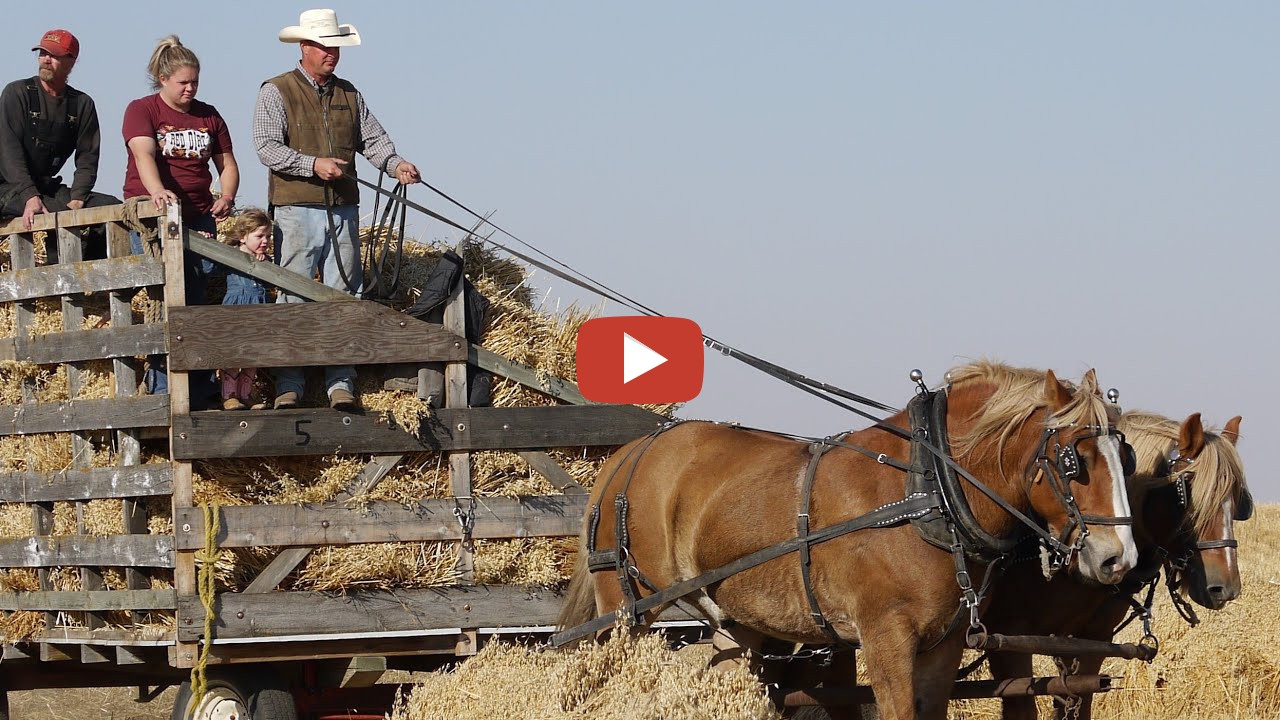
(260, 624)
(335, 645)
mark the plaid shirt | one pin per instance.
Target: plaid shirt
(270, 123)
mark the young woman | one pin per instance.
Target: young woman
(172, 139)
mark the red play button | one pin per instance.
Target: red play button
(640, 360)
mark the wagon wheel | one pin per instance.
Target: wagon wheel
(237, 696)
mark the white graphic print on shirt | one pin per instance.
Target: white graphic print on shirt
(183, 142)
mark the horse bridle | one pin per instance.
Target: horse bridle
(1060, 470)
(1181, 477)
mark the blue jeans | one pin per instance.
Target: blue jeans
(196, 272)
(304, 245)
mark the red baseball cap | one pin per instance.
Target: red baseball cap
(59, 43)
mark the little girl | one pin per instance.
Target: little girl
(249, 230)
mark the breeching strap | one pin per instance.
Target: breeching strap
(914, 505)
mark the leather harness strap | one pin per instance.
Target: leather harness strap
(816, 451)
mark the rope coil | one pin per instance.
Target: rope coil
(207, 557)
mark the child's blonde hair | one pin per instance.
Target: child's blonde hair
(243, 223)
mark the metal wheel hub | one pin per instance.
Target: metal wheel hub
(220, 703)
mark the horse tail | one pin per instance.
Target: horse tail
(580, 597)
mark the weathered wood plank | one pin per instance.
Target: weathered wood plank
(90, 484)
(555, 387)
(322, 431)
(47, 221)
(427, 520)
(106, 213)
(456, 396)
(82, 550)
(80, 345)
(307, 613)
(101, 600)
(547, 467)
(303, 334)
(81, 277)
(286, 280)
(73, 415)
(184, 564)
(278, 569)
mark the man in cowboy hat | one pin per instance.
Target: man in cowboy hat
(43, 122)
(308, 125)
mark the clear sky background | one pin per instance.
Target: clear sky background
(848, 189)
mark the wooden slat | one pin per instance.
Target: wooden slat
(129, 449)
(278, 569)
(73, 415)
(303, 334)
(307, 613)
(426, 521)
(22, 254)
(323, 432)
(46, 222)
(90, 484)
(101, 600)
(80, 345)
(70, 254)
(184, 564)
(456, 396)
(78, 551)
(555, 387)
(547, 467)
(286, 280)
(81, 277)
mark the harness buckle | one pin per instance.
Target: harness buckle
(881, 458)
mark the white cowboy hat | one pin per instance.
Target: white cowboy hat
(321, 26)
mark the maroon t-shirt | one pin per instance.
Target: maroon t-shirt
(187, 141)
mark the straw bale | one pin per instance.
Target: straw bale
(625, 677)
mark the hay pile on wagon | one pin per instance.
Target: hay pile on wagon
(518, 326)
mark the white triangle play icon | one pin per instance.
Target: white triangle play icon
(637, 359)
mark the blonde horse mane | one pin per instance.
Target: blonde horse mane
(1219, 472)
(1018, 393)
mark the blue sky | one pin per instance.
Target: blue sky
(848, 189)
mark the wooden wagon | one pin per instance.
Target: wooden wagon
(325, 649)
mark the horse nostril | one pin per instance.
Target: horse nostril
(1217, 592)
(1115, 565)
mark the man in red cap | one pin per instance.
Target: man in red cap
(43, 122)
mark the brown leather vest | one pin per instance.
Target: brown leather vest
(320, 125)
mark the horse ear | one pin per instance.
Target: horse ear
(1090, 381)
(1232, 431)
(1191, 437)
(1055, 392)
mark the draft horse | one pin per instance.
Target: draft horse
(701, 495)
(1186, 492)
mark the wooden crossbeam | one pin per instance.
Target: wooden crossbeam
(89, 484)
(83, 550)
(425, 521)
(323, 432)
(84, 277)
(314, 613)
(75, 415)
(80, 345)
(304, 334)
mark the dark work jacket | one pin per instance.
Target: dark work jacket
(35, 142)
